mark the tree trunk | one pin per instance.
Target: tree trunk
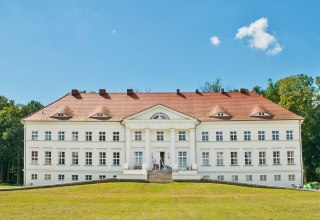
(8, 173)
(1, 173)
(18, 168)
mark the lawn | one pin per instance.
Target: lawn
(159, 201)
(4, 185)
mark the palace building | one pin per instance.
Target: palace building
(231, 136)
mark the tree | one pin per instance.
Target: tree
(214, 86)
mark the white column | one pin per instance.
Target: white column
(193, 148)
(147, 148)
(128, 149)
(173, 149)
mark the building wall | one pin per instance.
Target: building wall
(168, 126)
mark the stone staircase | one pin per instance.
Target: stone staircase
(159, 176)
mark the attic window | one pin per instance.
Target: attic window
(261, 114)
(61, 115)
(159, 116)
(220, 114)
(100, 115)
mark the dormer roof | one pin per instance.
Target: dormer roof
(219, 111)
(259, 111)
(100, 112)
(63, 111)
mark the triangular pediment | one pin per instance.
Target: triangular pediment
(159, 112)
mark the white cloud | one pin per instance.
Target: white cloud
(259, 38)
(215, 41)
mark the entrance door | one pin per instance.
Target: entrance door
(162, 159)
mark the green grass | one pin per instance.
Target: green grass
(159, 201)
(5, 185)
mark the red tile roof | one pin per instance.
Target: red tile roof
(120, 105)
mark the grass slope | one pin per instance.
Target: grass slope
(159, 201)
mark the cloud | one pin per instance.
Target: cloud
(259, 38)
(215, 41)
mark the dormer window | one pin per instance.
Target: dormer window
(60, 115)
(259, 111)
(100, 115)
(220, 114)
(159, 116)
(64, 112)
(101, 112)
(262, 114)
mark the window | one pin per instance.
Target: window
(34, 157)
(75, 136)
(205, 136)
(34, 176)
(116, 136)
(102, 136)
(220, 177)
(182, 135)
(61, 158)
(261, 135)
(47, 135)
(262, 158)
(248, 178)
(247, 136)
(290, 157)
(219, 158)
(74, 177)
(247, 158)
(61, 135)
(276, 157)
(205, 177)
(88, 177)
(159, 116)
(47, 176)
(263, 177)
(88, 158)
(34, 135)
(61, 177)
(88, 136)
(101, 177)
(160, 136)
(275, 135)
(233, 135)
(116, 158)
(138, 136)
(47, 157)
(291, 177)
(289, 135)
(219, 136)
(102, 158)
(234, 158)
(205, 158)
(75, 158)
(277, 177)
(234, 178)
(138, 158)
(182, 158)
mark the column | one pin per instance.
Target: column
(173, 149)
(147, 148)
(193, 148)
(128, 149)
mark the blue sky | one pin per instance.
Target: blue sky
(49, 47)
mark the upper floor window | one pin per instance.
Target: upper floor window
(116, 136)
(262, 158)
(47, 135)
(61, 158)
(75, 136)
(276, 157)
(75, 158)
(233, 135)
(137, 135)
(275, 135)
(61, 135)
(34, 157)
(160, 136)
(247, 158)
(205, 158)
(88, 158)
(261, 135)
(234, 158)
(289, 135)
(205, 136)
(116, 158)
(102, 158)
(182, 135)
(247, 136)
(160, 116)
(88, 136)
(47, 157)
(34, 135)
(290, 157)
(102, 136)
(219, 136)
(219, 158)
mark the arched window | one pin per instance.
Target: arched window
(159, 116)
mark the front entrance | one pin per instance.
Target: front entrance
(162, 159)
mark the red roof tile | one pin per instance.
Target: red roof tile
(200, 106)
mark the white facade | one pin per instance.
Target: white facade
(181, 142)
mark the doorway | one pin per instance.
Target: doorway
(162, 159)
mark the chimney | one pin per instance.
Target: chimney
(242, 90)
(222, 91)
(102, 92)
(197, 91)
(129, 91)
(74, 92)
(178, 91)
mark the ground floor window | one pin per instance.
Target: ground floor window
(34, 176)
(75, 177)
(138, 158)
(277, 177)
(205, 176)
(248, 178)
(263, 177)
(101, 177)
(182, 158)
(292, 177)
(235, 178)
(47, 176)
(60, 177)
(220, 177)
(88, 177)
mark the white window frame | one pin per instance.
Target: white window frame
(138, 158)
(34, 157)
(34, 176)
(101, 177)
(47, 158)
(138, 135)
(47, 135)
(263, 177)
(247, 135)
(261, 135)
(116, 158)
(88, 158)
(61, 135)
(220, 158)
(182, 136)
(220, 177)
(233, 136)
(75, 136)
(219, 136)
(61, 158)
(289, 135)
(248, 158)
(88, 136)
(292, 177)
(102, 158)
(34, 135)
(160, 136)
(234, 158)
(47, 176)
(102, 136)
(75, 158)
(275, 135)
(75, 177)
(88, 177)
(205, 136)
(276, 158)
(116, 136)
(249, 178)
(206, 158)
(262, 158)
(277, 177)
(234, 178)
(182, 158)
(61, 177)
(290, 157)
